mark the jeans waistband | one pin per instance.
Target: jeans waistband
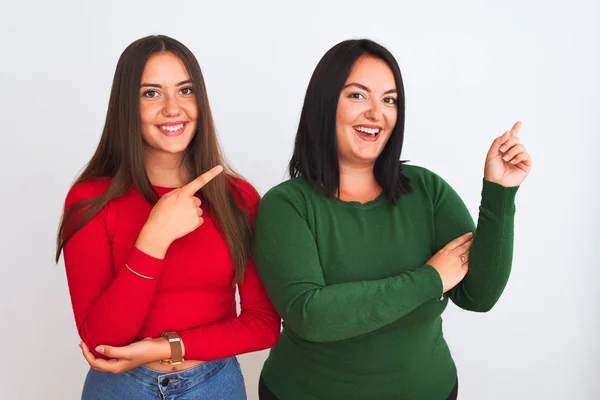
(180, 380)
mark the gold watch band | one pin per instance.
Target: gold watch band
(176, 349)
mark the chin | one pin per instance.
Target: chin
(177, 150)
(365, 157)
(175, 147)
(172, 149)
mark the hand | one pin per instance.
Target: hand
(176, 214)
(122, 359)
(452, 261)
(507, 162)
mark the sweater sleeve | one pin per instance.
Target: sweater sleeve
(258, 325)
(490, 256)
(288, 263)
(109, 307)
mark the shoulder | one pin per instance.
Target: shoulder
(430, 184)
(244, 192)
(87, 190)
(417, 172)
(297, 192)
(422, 177)
(427, 183)
(292, 188)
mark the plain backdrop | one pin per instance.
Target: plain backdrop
(471, 68)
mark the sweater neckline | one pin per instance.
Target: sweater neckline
(357, 204)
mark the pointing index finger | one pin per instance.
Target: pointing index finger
(514, 131)
(202, 180)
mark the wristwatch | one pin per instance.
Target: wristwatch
(176, 349)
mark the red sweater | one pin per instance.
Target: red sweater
(191, 294)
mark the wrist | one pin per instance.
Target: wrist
(163, 351)
(165, 348)
(151, 244)
(172, 348)
(499, 182)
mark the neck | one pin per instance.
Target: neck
(357, 183)
(165, 169)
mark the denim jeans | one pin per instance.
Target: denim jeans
(213, 380)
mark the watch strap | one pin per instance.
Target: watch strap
(176, 348)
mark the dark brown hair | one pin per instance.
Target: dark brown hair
(120, 153)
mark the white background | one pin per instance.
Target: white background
(471, 68)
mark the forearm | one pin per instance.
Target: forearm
(256, 328)
(342, 311)
(490, 257)
(289, 264)
(246, 333)
(115, 315)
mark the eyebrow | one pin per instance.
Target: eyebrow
(366, 89)
(155, 85)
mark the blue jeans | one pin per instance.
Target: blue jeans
(213, 380)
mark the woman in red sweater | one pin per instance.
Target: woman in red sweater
(156, 235)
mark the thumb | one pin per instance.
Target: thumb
(110, 351)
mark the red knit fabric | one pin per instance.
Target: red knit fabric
(191, 292)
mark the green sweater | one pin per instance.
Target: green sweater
(361, 308)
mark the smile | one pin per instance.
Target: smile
(172, 129)
(368, 133)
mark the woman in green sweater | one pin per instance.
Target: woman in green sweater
(360, 252)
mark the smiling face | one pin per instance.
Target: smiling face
(168, 106)
(366, 112)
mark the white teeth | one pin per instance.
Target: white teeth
(172, 128)
(368, 131)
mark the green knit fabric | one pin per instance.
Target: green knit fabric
(361, 308)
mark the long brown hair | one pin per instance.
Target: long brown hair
(120, 153)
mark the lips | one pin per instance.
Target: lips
(368, 133)
(172, 128)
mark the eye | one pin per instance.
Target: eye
(356, 96)
(150, 94)
(186, 91)
(390, 100)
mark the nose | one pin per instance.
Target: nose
(171, 106)
(375, 111)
